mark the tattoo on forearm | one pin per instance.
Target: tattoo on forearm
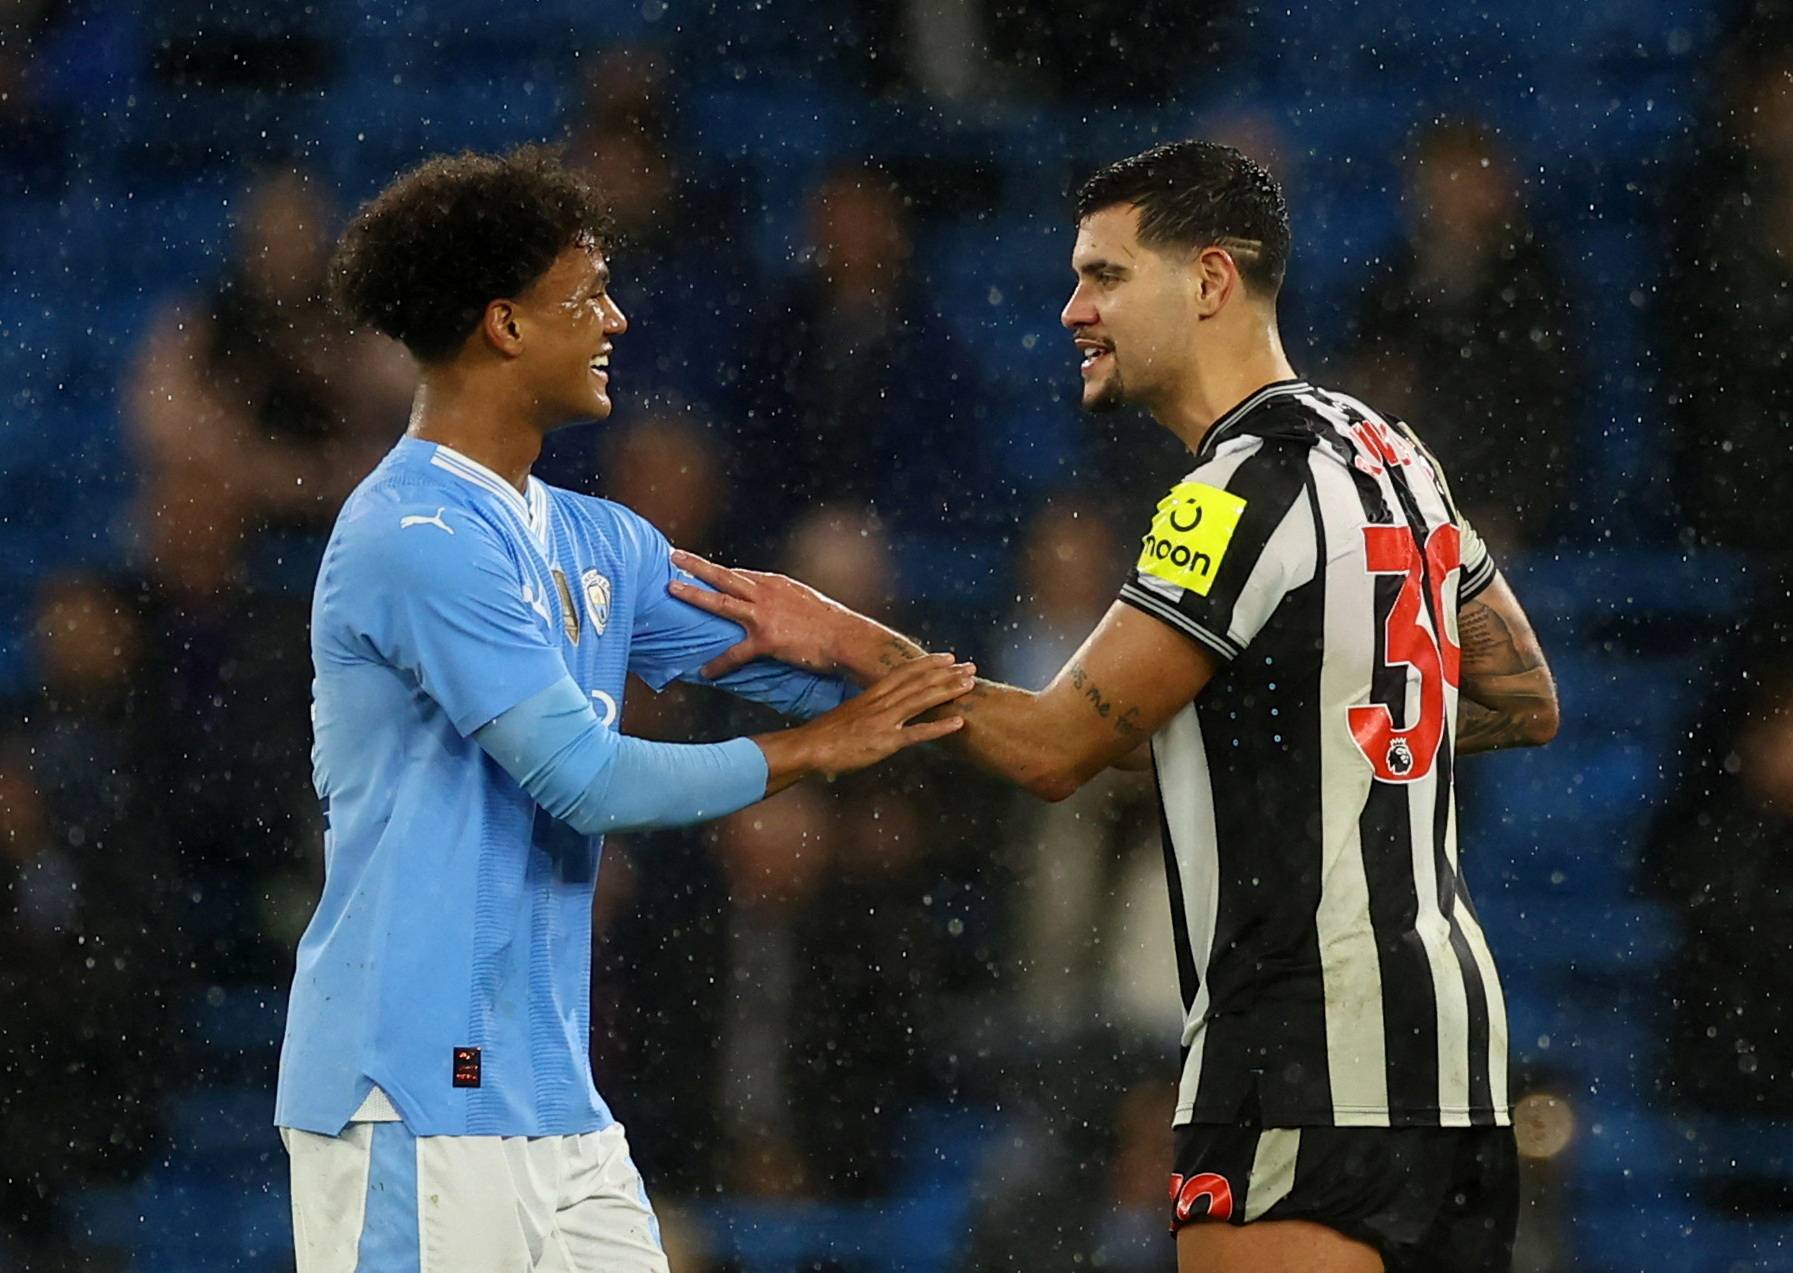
(1481, 729)
(1488, 643)
(1521, 702)
(1126, 724)
(898, 651)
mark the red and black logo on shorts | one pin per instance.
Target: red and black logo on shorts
(466, 1067)
(1206, 1188)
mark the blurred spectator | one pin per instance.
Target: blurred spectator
(1728, 311)
(670, 468)
(677, 265)
(856, 393)
(1723, 853)
(226, 677)
(1089, 944)
(88, 721)
(1466, 337)
(821, 1030)
(845, 554)
(256, 392)
(83, 1017)
(973, 51)
(1072, 567)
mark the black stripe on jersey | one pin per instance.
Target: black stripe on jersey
(1269, 481)
(1188, 982)
(1270, 855)
(1385, 829)
(1475, 994)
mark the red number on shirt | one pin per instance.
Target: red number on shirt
(1406, 755)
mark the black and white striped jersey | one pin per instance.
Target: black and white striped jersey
(1332, 966)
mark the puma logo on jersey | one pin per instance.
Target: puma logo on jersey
(416, 519)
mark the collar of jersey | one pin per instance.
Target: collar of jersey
(1232, 416)
(532, 510)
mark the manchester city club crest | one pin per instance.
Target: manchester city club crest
(597, 600)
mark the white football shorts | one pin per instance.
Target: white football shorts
(380, 1199)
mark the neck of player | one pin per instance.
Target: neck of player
(1225, 369)
(460, 412)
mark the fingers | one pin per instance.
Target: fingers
(939, 687)
(737, 655)
(719, 577)
(908, 674)
(718, 603)
(928, 731)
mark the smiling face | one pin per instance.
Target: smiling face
(569, 319)
(1132, 314)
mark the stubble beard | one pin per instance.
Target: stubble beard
(1110, 397)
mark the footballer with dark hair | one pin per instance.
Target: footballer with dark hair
(1308, 641)
(472, 632)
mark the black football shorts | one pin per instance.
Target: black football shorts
(1429, 1199)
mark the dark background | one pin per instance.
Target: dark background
(909, 1021)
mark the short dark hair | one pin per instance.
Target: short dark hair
(422, 259)
(1192, 194)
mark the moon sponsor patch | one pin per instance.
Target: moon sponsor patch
(1189, 535)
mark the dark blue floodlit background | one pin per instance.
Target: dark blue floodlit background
(912, 1021)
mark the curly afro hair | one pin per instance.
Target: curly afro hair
(422, 260)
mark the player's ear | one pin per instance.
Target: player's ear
(501, 329)
(1215, 277)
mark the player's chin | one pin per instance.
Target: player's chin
(1102, 395)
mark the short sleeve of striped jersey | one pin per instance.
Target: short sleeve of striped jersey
(1478, 564)
(1227, 544)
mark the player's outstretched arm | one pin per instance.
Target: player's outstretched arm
(1129, 677)
(866, 729)
(1508, 695)
(599, 781)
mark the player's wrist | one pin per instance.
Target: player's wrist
(792, 754)
(865, 649)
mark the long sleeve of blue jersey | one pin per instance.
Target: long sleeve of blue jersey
(597, 780)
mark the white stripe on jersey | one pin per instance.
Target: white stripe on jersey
(1350, 963)
(1484, 959)
(1189, 812)
(1447, 981)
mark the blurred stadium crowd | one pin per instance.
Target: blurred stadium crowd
(908, 1021)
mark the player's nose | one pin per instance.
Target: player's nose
(1078, 312)
(615, 321)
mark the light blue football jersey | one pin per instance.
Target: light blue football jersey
(449, 958)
